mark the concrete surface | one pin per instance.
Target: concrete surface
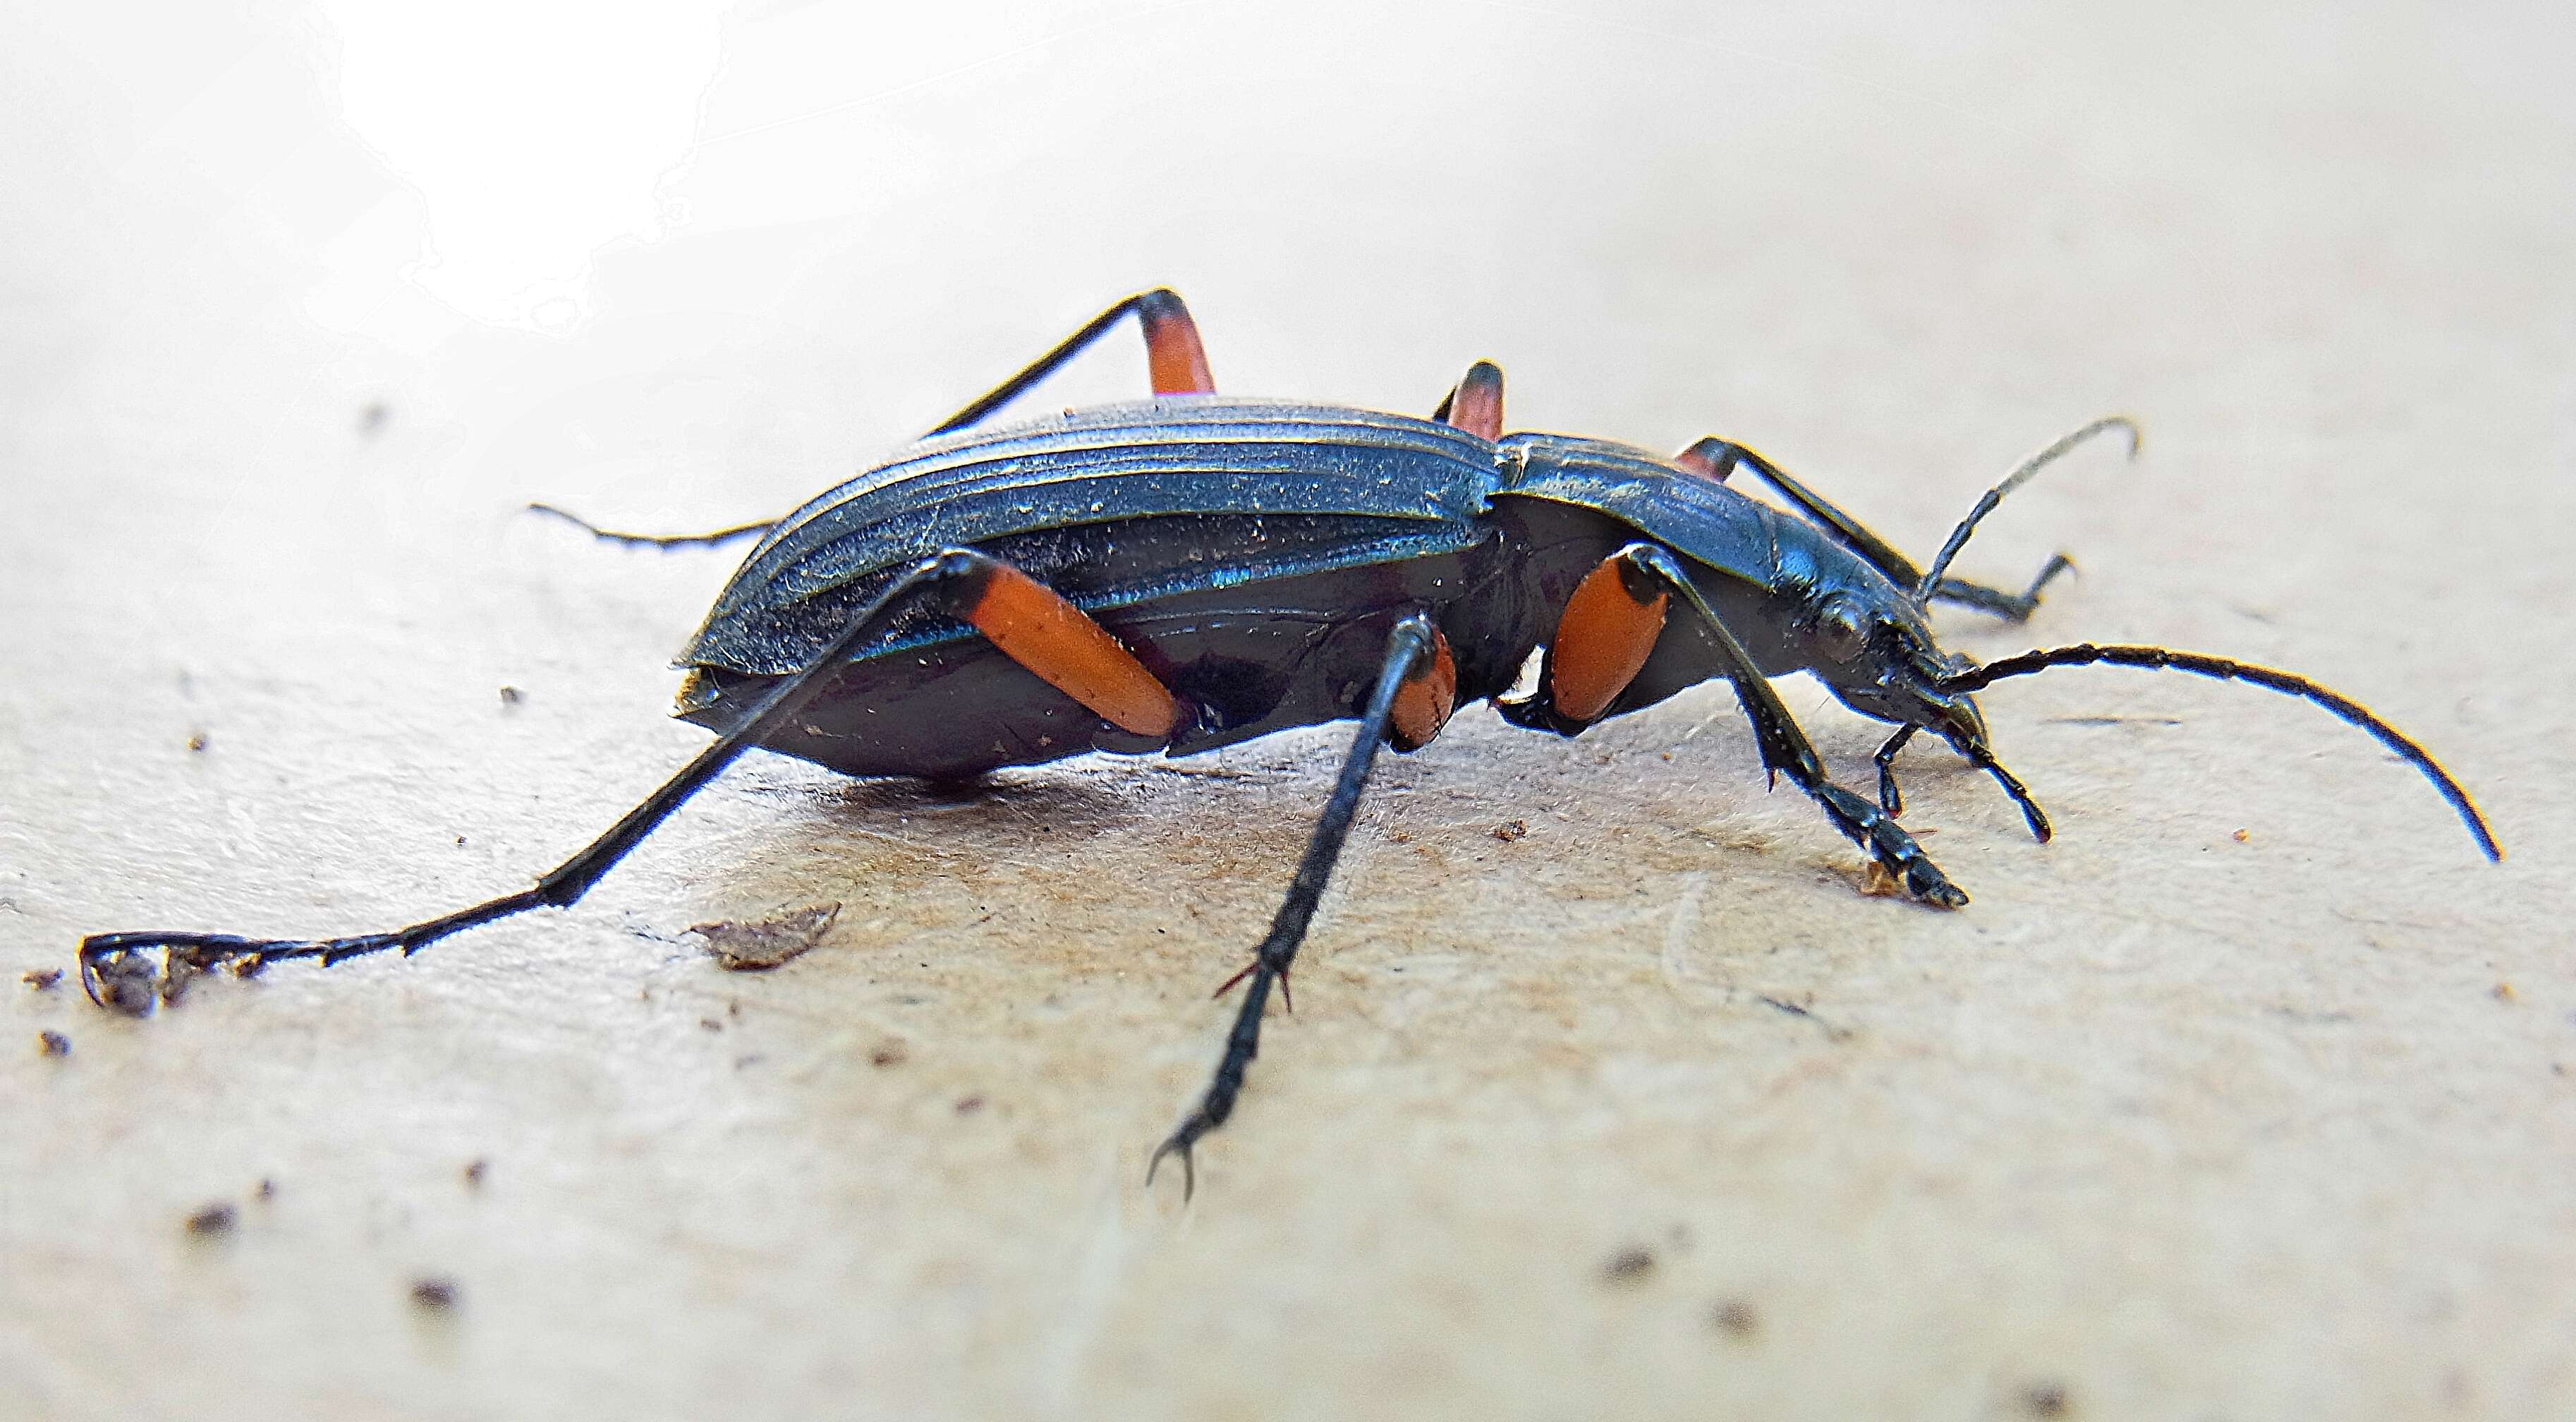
(2250, 1097)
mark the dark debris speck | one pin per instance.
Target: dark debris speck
(2046, 1399)
(213, 1219)
(41, 979)
(1737, 1318)
(1629, 1265)
(53, 1044)
(434, 1293)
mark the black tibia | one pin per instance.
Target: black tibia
(655, 540)
(2011, 607)
(2224, 669)
(1410, 643)
(1722, 457)
(1892, 801)
(113, 961)
(1890, 798)
(1159, 311)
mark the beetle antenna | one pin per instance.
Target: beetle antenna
(2223, 669)
(654, 540)
(2020, 476)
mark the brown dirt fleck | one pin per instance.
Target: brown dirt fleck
(53, 1044)
(745, 946)
(41, 979)
(214, 1219)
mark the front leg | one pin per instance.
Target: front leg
(1604, 637)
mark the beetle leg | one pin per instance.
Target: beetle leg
(1029, 622)
(1475, 403)
(1603, 637)
(1894, 803)
(1174, 358)
(1890, 798)
(1786, 750)
(1412, 650)
(1714, 459)
(1607, 632)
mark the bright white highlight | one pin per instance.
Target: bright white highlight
(536, 133)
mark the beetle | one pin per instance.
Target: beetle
(1195, 570)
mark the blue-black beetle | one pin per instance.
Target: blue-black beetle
(1192, 571)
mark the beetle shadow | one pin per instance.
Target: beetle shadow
(865, 839)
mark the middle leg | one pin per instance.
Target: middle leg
(1413, 656)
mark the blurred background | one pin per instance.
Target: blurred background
(2247, 1097)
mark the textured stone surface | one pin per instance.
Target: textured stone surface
(1646, 1110)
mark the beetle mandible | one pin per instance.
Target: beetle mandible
(1194, 571)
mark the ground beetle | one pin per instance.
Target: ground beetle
(1193, 571)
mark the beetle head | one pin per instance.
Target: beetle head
(1878, 657)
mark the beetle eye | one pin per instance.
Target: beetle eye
(1840, 633)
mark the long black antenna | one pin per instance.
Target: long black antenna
(2288, 684)
(2020, 476)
